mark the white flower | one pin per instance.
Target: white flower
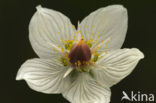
(81, 64)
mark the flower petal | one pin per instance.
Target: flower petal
(47, 30)
(86, 90)
(116, 65)
(43, 75)
(106, 25)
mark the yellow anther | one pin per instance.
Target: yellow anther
(98, 37)
(102, 41)
(65, 41)
(98, 32)
(79, 63)
(85, 26)
(64, 61)
(82, 36)
(92, 61)
(95, 41)
(77, 32)
(96, 56)
(91, 40)
(106, 46)
(93, 26)
(94, 53)
(87, 42)
(97, 44)
(61, 40)
(61, 27)
(98, 47)
(54, 49)
(98, 83)
(85, 62)
(91, 34)
(70, 45)
(75, 63)
(59, 47)
(66, 56)
(62, 49)
(58, 32)
(73, 26)
(107, 41)
(74, 37)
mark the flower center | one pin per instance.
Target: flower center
(80, 54)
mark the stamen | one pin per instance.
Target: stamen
(99, 45)
(61, 27)
(58, 32)
(68, 72)
(99, 83)
(73, 26)
(62, 49)
(74, 37)
(92, 34)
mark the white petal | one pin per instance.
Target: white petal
(47, 29)
(43, 75)
(116, 65)
(107, 24)
(86, 90)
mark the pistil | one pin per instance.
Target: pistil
(80, 54)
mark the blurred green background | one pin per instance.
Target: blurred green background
(15, 47)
